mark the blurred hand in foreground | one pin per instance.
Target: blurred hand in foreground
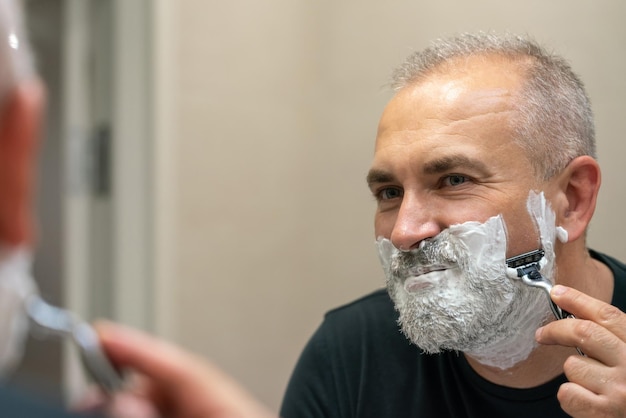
(167, 381)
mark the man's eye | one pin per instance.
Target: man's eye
(454, 180)
(389, 193)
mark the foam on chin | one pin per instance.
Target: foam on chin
(520, 310)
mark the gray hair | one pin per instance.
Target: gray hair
(554, 122)
(16, 59)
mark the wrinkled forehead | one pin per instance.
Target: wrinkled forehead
(466, 91)
(482, 70)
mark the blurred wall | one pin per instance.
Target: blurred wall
(274, 106)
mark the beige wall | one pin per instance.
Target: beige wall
(275, 110)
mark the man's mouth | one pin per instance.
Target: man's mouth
(420, 278)
(421, 270)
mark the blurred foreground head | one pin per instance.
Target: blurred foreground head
(21, 105)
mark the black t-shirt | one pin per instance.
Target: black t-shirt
(359, 364)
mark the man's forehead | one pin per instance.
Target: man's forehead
(484, 77)
(447, 102)
(460, 112)
(462, 93)
(482, 101)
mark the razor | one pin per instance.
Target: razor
(49, 319)
(527, 268)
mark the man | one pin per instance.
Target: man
(173, 382)
(439, 188)
(21, 105)
(485, 152)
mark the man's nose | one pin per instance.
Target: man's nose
(415, 222)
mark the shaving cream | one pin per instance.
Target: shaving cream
(15, 285)
(454, 293)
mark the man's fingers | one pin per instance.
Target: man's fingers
(588, 373)
(586, 307)
(148, 355)
(578, 401)
(595, 386)
(180, 383)
(129, 347)
(594, 340)
(599, 330)
(127, 405)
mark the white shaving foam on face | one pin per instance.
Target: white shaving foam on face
(472, 304)
(545, 221)
(16, 284)
(562, 234)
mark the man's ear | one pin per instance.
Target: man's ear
(20, 122)
(579, 184)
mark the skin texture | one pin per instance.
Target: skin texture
(444, 155)
(433, 133)
(20, 119)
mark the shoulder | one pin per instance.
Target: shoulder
(617, 267)
(338, 357)
(377, 300)
(368, 321)
(374, 310)
(619, 277)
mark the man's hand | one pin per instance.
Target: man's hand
(597, 382)
(171, 382)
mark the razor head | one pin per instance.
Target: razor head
(527, 268)
(49, 319)
(526, 259)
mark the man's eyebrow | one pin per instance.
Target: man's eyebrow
(441, 165)
(437, 166)
(379, 176)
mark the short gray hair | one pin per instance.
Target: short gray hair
(16, 59)
(554, 123)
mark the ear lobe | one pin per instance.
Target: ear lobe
(20, 120)
(580, 183)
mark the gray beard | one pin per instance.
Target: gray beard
(484, 318)
(472, 307)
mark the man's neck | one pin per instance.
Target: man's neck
(544, 364)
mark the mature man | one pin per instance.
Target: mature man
(21, 105)
(485, 152)
(175, 383)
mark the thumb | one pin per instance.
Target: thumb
(186, 381)
(137, 350)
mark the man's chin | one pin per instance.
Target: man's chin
(427, 323)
